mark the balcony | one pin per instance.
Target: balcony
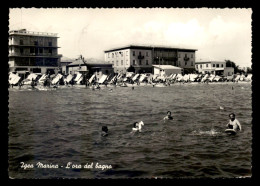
(16, 54)
(186, 59)
(140, 57)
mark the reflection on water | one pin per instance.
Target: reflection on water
(64, 125)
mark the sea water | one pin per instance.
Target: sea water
(57, 133)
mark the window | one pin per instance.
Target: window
(126, 53)
(133, 53)
(147, 54)
(200, 66)
(147, 62)
(112, 55)
(21, 42)
(133, 62)
(122, 63)
(32, 50)
(213, 65)
(222, 65)
(140, 53)
(126, 62)
(140, 62)
(40, 50)
(217, 65)
(50, 43)
(108, 55)
(116, 54)
(191, 55)
(191, 63)
(196, 66)
(21, 50)
(207, 65)
(35, 43)
(116, 63)
(185, 55)
(50, 51)
(122, 54)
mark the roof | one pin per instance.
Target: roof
(149, 47)
(204, 62)
(90, 61)
(164, 67)
(32, 33)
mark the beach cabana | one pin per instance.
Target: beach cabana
(92, 77)
(102, 79)
(135, 77)
(68, 78)
(56, 79)
(13, 79)
(142, 78)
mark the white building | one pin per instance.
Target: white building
(214, 67)
(167, 70)
(141, 58)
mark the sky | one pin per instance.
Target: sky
(217, 34)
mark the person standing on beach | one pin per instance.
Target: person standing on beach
(234, 123)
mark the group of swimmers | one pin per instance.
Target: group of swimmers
(233, 124)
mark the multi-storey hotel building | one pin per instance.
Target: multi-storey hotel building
(141, 58)
(35, 52)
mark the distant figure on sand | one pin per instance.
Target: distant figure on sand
(104, 131)
(234, 123)
(169, 116)
(138, 126)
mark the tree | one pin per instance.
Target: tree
(131, 69)
(232, 64)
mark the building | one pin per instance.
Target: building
(141, 58)
(35, 52)
(167, 70)
(90, 67)
(214, 67)
(64, 62)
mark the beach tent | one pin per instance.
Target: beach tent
(43, 78)
(205, 78)
(79, 80)
(193, 77)
(217, 78)
(143, 76)
(242, 77)
(135, 77)
(102, 79)
(13, 79)
(186, 77)
(78, 77)
(249, 77)
(211, 77)
(31, 76)
(56, 79)
(173, 76)
(68, 78)
(230, 78)
(92, 77)
(129, 74)
(237, 78)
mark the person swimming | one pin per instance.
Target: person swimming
(104, 131)
(138, 126)
(234, 123)
(169, 116)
